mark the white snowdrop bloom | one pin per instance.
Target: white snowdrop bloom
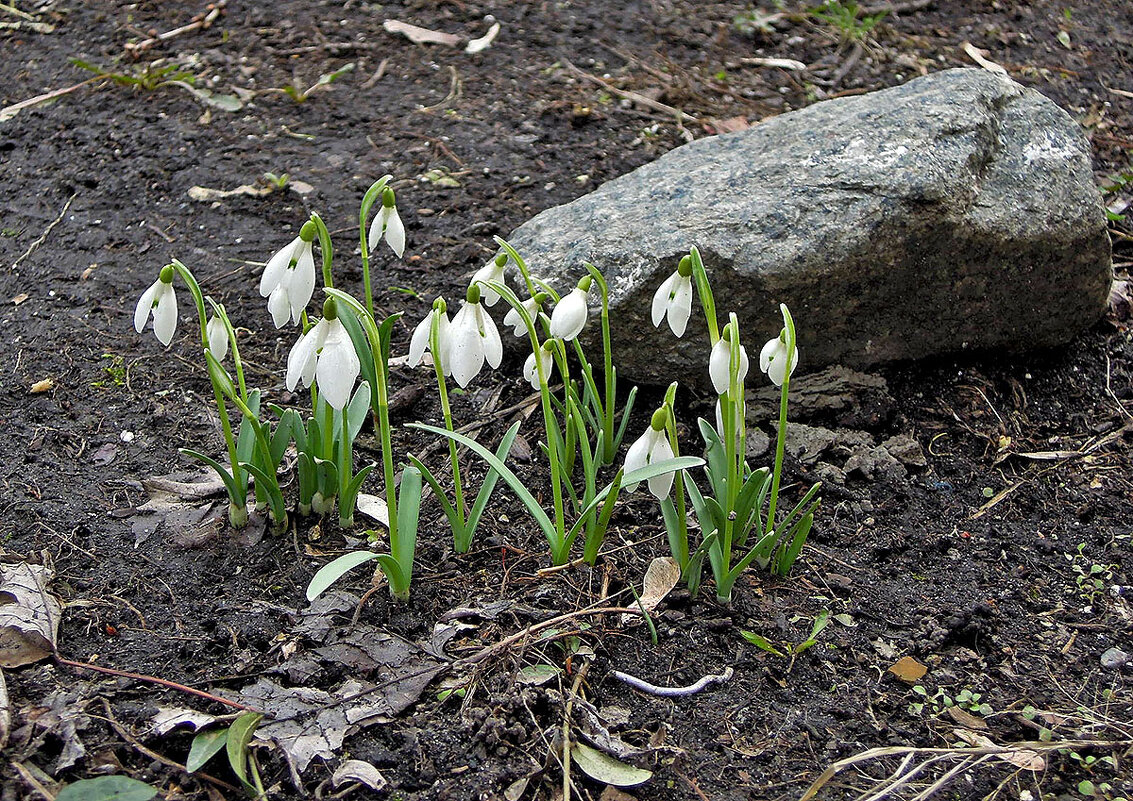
(387, 225)
(531, 371)
(569, 317)
(472, 340)
(673, 299)
(422, 334)
(492, 271)
(288, 281)
(325, 354)
(515, 319)
(776, 362)
(652, 446)
(218, 338)
(719, 364)
(161, 302)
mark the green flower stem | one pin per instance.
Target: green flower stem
(326, 247)
(704, 291)
(446, 409)
(730, 404)
(532, 290)
(781, 439)
(680, 544)
(237, 507)
(611, 380)
(372, 194)
(382, 401)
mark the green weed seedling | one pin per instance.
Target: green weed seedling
(847, 20)
(326, 79)
(791, 650)
(151, 77)
(115, 372)
(234, 740)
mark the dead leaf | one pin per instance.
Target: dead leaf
(419, 35)
(43, 385)
(661, 576)
(908, 669)
(612, 793)
(29, 614)
(476, 45)
(355, 770)
(59, 718)
(730, 125)
(169, 718)
(965, 718)
(5, 712)
(20, 298)
(781, 63)
(1023, 758)
(202, 194)
(373, 507)
(980, 57)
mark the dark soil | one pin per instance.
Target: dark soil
(981, 564)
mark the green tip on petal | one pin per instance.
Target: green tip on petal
(540, 298)
(501, 259)
(309, 231)
(660, 419)
(473, 294)
(330, 309)
(584, 283)
(439, 305)
(388, 199)
(166, 274)
(684, 267)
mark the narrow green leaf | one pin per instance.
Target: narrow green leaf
(761, 642)
(332, 571)
(239, 735)
(487, 488)
(234, 493)
(408, 514)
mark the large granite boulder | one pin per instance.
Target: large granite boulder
(956, 211)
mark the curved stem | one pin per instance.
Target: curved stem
(781, 440)
(326, 247)
(372, 194)
(704, 291)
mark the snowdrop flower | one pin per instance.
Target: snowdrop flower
(422, 336)
(472, 340)
(719, 364)
(325, 354)
(289, 278)
(774, 359)
(218, 338)
(569, 316)
(673, 299)
(387, 224)
(160, 301)
(533, 306)
(492, 271)
(652, 446)
(530, 369)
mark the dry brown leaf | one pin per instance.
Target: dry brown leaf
(908, 669)
(43, 385)
(419, 35)
(20, 298)
(966, 718)
(476, 45)
(29, 614)
(1023, 758)
(980, 57)
(661, 576)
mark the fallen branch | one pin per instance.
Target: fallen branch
(640, 99)
(673, 692)
(152, 680)
(48, 229)
(200, 22)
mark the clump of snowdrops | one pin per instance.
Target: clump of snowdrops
(343, 357)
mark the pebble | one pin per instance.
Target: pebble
(1115, 659)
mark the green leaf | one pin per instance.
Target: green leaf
(537, 675)
(761, 642)
(604, 768)
(234, 494)
(205, 745)
(239, 735)
(487, 488)
(332, 571)
(361, 347)
(408, 514)
(107, 788)
(356, 410)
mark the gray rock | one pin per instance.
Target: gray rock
(906, 450)
(1115, 659)
(758, 443)
(807, 443)
(837, 397)
(875, 464)
(956, 211)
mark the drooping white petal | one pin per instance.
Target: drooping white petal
(280, 306)
(465, 346)
(338, 365)
(165, 314)
(394, 230)
(302, 359)
(515, 319)
(217, 337)
(661, 298)
(637, 457)
(718, 361)
(493, 346)
(419, 343)
(659, 451)
(530, 372)
(774, 361)
(301, 281)
(276, 266)
(145, 306)
(680, 307)
(569, 316)
(374, 237)
(490, 272)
